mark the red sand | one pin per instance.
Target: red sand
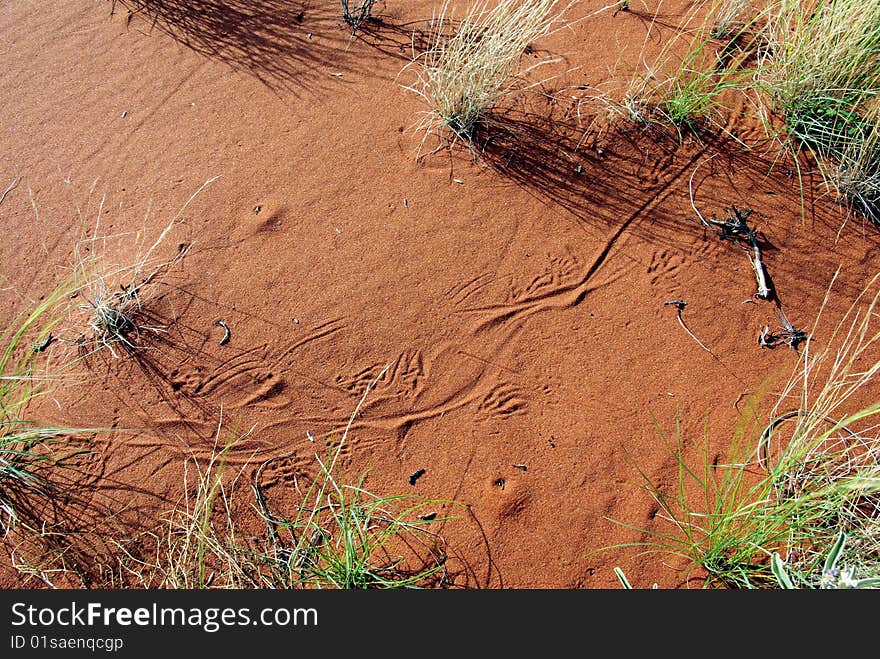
(519, 303)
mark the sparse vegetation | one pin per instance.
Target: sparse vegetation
(340, 536)
(811, 70)
(40, 459)
(792, 495)
(692, 96)
(692, 82)
(344, 536)
(819, 66)
(469, 67)
(28, 447)
(112, 297)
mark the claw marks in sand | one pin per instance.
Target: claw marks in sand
(461, 293)
(405, 376)
(503, 400)
(252, 376)
(253, 382)
(665, 264)
(200, 381)
(668, 264)
(321, 331)
(407, 392)
(559, 272)
(424, 384)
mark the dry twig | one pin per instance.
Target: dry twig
(679, 307)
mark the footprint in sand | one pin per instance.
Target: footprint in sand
(505, 496)
(502, 401)
(664, 265)
(264, 217)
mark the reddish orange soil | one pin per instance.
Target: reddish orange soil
(518, 301)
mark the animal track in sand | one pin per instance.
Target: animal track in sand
(665, 264)
(502, 401)
(188, 381)
(238, 368)
(464, 291)
(289, 469)
(405, 376)
(558, 272)
(267, 386)
(287, 357)
(505, 496)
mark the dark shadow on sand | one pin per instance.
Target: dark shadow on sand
(291, 46)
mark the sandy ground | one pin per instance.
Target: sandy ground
(516, 303)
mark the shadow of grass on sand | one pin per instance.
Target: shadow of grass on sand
(289, 46)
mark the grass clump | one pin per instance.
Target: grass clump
(792, 486)
(819, 66)
(691, 82)
(691, 97)
(29, 449)
(856, 174)
(468, 68)
(343, 536)
(810, 68)
(111, 298)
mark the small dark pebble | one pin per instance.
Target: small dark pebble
(416, 475)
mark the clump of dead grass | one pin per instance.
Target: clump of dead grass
(470, 66)
(110, 298)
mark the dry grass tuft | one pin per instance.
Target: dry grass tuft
(110, 298)
(468, 68)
